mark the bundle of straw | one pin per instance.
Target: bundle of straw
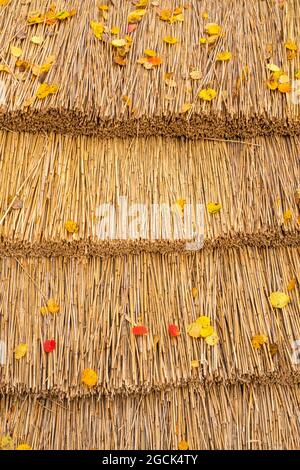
(232, 417)
(51, 179)
(97, 94)
(101, 300)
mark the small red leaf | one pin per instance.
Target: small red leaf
(49, 345)
(139, 330)
(174, 330)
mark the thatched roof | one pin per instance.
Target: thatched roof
(232, 417)
(96, 103)
(97, 95)
(57, 178)
(100, 301)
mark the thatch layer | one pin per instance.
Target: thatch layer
(233, 417)
(55, 178)
(101, 299)
(96, 95)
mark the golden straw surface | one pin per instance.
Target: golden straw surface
(233, 417)
(101, 299)
(94, 91)
(55, 178)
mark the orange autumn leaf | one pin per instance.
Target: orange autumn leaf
(292, 284)
(155, 60)
(120, 60)
(285, 87)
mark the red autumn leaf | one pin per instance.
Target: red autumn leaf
(49, 345)
(139, 330)
(174, 330)
(131, 28)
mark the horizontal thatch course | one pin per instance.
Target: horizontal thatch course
(233, 417)
(57, 178)
(101, 299)
(94, 91)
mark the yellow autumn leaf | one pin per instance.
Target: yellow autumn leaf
(181, 203)
(170, 40)
(206, 331)
(205, 15)
(273, 67)
(291, 45)
(213, 29)
(4, 68)
(213, 207)
(37, 40)
(185, 108)
(194, 330)
(291, 55)
(24, 446)
(21, 350)
(45, 67)
(71, 226)
(194, 292)
(207, 94)
(283, 78)
(6, 442)
(97, 28)
(183, 445)
(194, 363)
(89, 377)
(135, 16)
(212, 340)
(43, 310)
(4, 2)
(150, 53)
(103, 7)
(115, 30)
(52, 306)
(212, 39)
(202, 40)
(287, 215)
(203, 321)
(258, 340)
(195, 74)
(45, 90)
(64, 14)
(142, 3)
(16, 51)
(223, 56)
(297, 74)
(279, 299)
(272, 84)
(118, 42)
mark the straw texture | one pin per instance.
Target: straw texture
(233, 417)
(92, 87)
(55, 178)
(100, 301)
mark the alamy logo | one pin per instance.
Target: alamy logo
(296, 351)
(2, 353)
(295, 92)
(179, 221)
